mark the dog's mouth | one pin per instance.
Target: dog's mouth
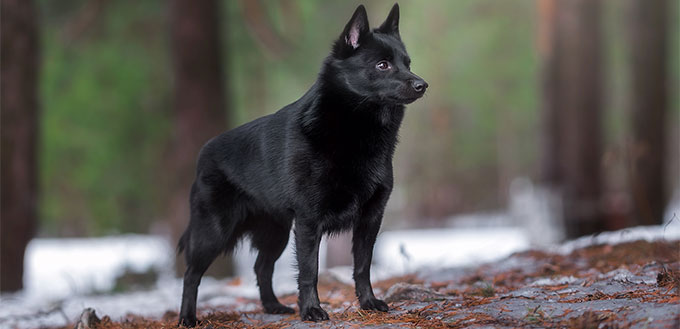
(405, 100)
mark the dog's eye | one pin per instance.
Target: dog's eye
(383, 66)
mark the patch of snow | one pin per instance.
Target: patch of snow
(22, 310)
(669, 231)
(536, 208)
(619, 274)
(344, 274)
(626, 276)
(673, 208)
(406, 251)
(61, 275)
(57, 268)
(285, 268)
(555, 281)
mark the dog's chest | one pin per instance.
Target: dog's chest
(340, 183)
(345, 188)
(343, 168)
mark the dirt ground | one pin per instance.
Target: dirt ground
(629, 285)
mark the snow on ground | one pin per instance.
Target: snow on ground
(402, 252)
(57, 268)
(64, 276)
(285, 272)
(669, 231)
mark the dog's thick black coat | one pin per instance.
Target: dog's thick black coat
(323, 162)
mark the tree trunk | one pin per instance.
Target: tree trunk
(550, 141)
(647, 40)
(19, 103)
(199, 96)
(571, 83)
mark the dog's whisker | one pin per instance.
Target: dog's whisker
(361, 102)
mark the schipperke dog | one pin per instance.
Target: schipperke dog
(323, 163)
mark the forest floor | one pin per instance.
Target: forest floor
(634, 284)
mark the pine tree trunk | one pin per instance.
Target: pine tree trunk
(550, 141)
(200, 112)
(571, 86)
(647, 41)
(19, 104)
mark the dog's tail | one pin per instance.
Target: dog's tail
(183, 243)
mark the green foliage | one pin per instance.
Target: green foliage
(105, 120)
(479, 58)
(486, 290)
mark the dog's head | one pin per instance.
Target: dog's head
(374, 65)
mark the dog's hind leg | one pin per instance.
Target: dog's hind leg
(212, 224)
(270, 242)
(199, 256)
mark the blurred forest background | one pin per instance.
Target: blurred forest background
(106, 103)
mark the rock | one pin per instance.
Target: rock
(88, 319)
(413, 292)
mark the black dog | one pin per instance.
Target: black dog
(323, 162)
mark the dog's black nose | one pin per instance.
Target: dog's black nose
(419, 85)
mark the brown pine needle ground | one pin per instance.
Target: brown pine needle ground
(633, 284)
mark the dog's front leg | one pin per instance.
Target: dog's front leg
(307, 239)
(363, 240)
(365, 233)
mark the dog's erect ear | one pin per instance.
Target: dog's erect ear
(391, 24)
(356, 29)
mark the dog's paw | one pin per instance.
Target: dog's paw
(374, 304)
(187, 321)
(314, 313)
(278, 309)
